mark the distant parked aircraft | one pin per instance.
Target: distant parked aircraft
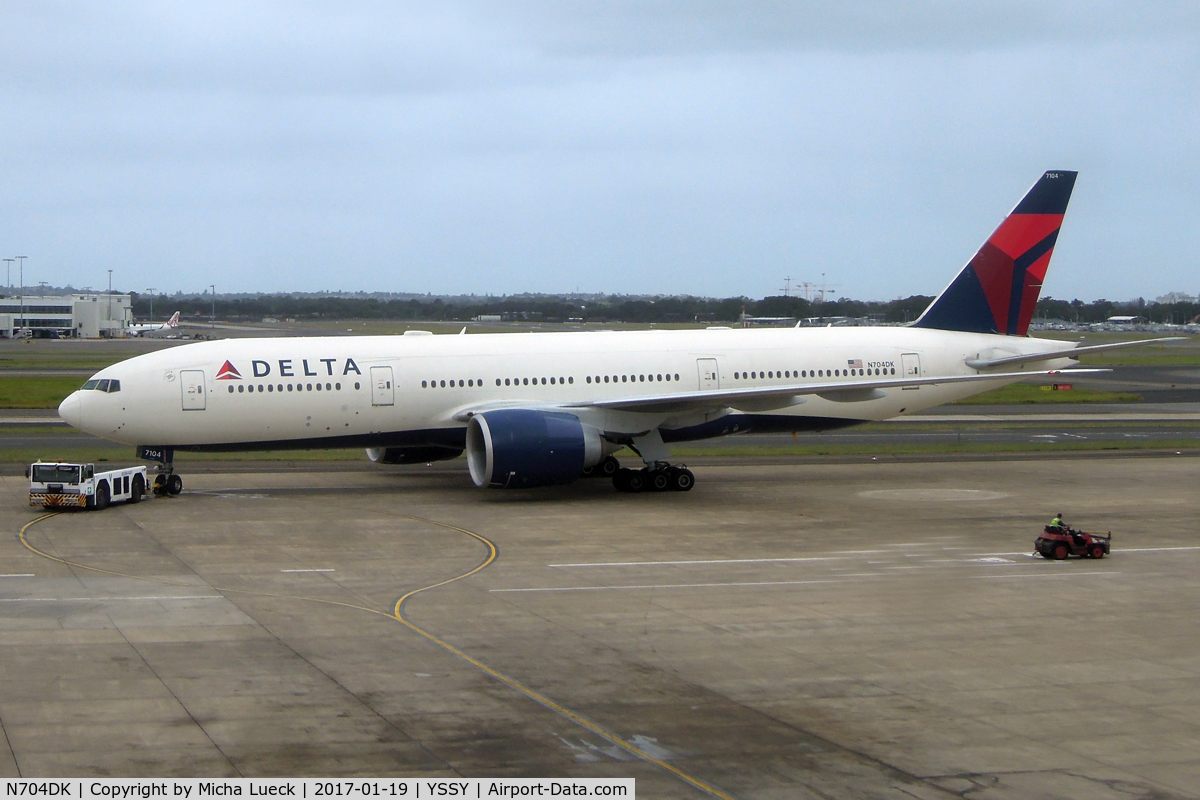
(151, 329)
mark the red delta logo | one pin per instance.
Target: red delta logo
(228, 372)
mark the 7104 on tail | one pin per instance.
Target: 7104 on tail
(537, 409)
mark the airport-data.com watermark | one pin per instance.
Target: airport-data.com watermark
(306, 788)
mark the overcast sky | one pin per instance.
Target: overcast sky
(627, 147)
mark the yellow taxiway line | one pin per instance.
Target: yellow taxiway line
(397, 613)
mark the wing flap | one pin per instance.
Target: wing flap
(840, 391)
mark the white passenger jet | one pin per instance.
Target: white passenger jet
(534, 409)
(155, 329)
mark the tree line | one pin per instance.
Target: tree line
(546, 308)
(615, 308)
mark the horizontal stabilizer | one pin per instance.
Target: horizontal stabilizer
(1073, 352)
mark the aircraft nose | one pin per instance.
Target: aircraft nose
(70, 410)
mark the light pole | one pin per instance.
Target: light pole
(21, 277)
(150, 291)
(213, 321)
(8, 273)
(110, 302)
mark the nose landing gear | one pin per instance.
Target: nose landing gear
(166, 482)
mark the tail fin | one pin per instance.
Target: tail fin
(173, 322)
(997, 290)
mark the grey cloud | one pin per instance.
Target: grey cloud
(690, 147)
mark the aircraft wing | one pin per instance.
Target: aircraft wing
(1073, 352)
(840, 391)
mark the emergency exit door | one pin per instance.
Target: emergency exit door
(707, 370)
(191, 383)
(382, 391)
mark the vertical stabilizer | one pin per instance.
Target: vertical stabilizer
(998, 289)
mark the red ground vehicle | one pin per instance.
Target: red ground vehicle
(1058, 543)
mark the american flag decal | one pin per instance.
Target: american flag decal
(854, 363)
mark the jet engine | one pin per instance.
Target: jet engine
(411, 455)
(519, 448)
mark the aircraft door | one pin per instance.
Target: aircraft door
(191, 383)
(707, 370)
(911, 364)
(382, 390)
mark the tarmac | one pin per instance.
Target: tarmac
(783, 631)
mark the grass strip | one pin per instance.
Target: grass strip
(125, 454)
(932, 448)
(1023, 393)
(1118, 358)
(36, 391)
(81, 362)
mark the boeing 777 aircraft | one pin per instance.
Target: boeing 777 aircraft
(534, 409)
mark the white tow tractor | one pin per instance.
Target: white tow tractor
(61, 485)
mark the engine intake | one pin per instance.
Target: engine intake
(521, 448)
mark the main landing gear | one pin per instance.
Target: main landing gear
(607, 468)
(659, 478)
(658, 475)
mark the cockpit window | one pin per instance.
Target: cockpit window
(90, 385)
(102, 386)
(114, 386)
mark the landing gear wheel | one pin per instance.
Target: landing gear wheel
(137, 489)
(160, 484)
(1097, 551)
(683, 480)
(102, 496)
(608, 467)
(1061, 552)
(636, 481)
(659, 481)
(621, 480)
(174, 485)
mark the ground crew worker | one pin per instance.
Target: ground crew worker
(1057, 523)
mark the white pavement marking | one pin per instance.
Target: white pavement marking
(308, 570)
(18, 575)
(1154, 549)
(1121, 550)
(710, 561)
(1043, 575)
(660, 586)
(106, 599)
(993, 558)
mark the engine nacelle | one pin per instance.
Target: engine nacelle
(411, 455)
(518, 448)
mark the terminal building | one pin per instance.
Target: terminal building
(82, 316)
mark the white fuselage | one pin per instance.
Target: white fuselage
(407, 390)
